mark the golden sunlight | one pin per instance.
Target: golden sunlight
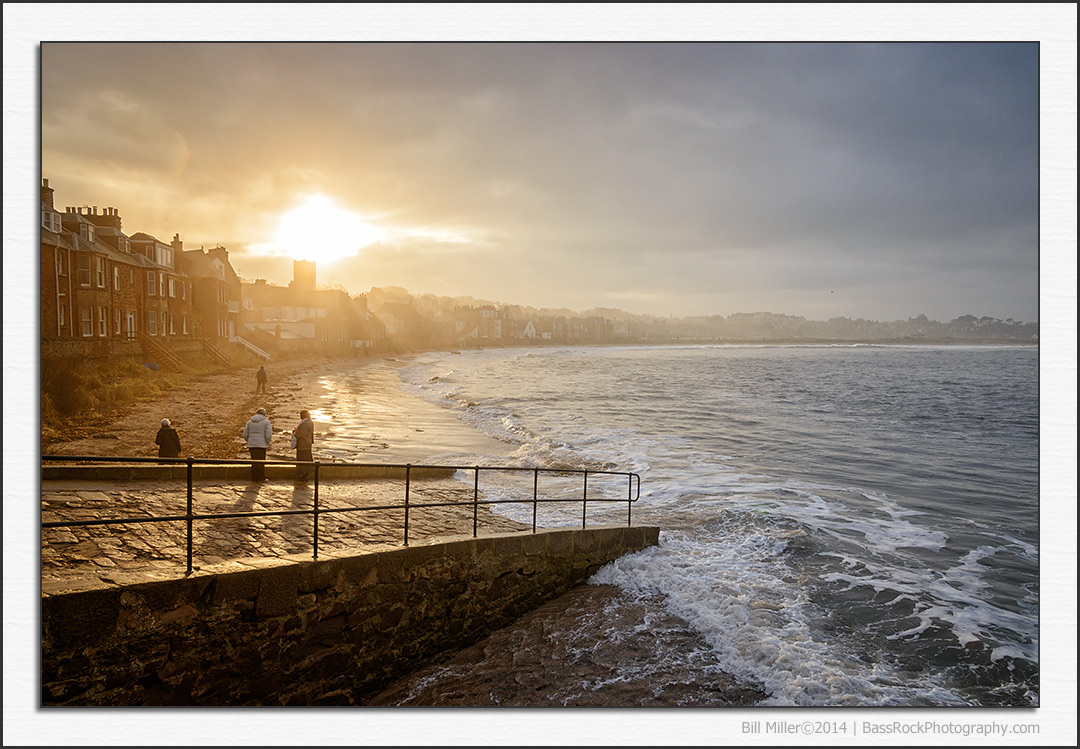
(319, 230)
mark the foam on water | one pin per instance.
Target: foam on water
(820, 592)
(759, 620)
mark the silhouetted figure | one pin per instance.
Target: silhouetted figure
(258, 432)
(305, 438)
(168, 441)
(260, 381)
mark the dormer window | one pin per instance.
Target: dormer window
(50, 220)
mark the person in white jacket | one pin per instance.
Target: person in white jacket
(258, 432)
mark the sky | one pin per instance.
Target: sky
(874, 180)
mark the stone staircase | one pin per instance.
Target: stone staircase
(155, 348)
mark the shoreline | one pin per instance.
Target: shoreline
(361, 414)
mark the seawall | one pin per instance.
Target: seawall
(294, 631)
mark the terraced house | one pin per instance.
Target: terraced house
(106, 294)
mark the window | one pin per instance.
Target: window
(161, 284)
(151, 322)
(183, 290)
(84, 270)
(116, 277)
(151, 283)
(50, 220)
(87, 321)
(164, 315)
(130, 324)
(184, 323)
(103, 321)
(172, 324)
(100, 264)
(131, 277)
(61, 316)
(61, 269)
(172, 288)
(117, 318)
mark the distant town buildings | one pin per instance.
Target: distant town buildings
(106, 294)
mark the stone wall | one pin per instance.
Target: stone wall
(299, 632)
(115, 347)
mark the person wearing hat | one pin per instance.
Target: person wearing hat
(258, 432)
(168, 441)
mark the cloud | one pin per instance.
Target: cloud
(566, 170)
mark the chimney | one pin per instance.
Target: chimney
(46, 193)
(177, 245)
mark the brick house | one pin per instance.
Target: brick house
(215, 292)
(103, 293)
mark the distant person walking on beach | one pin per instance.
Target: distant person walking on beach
(260, 381)
(303, 438)
(258, 432)
(168, 441)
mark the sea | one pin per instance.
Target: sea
(841, 525)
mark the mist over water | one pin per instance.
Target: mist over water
(840, 525)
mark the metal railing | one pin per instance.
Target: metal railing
(250, 347)
(632, 495)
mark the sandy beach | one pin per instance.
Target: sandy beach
(361, 414)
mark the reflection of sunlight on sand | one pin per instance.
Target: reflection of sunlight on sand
(365, 416)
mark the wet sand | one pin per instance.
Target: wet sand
(361, 414)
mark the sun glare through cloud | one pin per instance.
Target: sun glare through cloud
(322, 231)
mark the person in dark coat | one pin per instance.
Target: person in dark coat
(168, 441)
(260, 381)
(305, 437)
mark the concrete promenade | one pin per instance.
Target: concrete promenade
(104, 552)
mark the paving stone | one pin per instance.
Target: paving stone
(163, 546)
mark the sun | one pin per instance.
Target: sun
(319, 230)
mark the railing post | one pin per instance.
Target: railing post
(190, 513)
(315, 516)
(536, 474)
(408, 469)
(633, 488)
(584, 497)
(475, 497)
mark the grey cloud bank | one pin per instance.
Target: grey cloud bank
(865, 180)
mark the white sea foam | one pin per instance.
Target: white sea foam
(740, 451)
